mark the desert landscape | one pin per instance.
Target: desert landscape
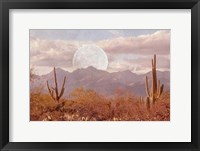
(90, 91)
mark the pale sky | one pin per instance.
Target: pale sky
(125, 49)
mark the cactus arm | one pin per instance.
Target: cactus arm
(51, 92)
(158, 87)
(161, 89)
(147, 87)
(63, 85)
(153, 82)
(61, 93)
(155, 76)
(56, 84)
(62, 89)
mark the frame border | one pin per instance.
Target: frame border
(5, 5)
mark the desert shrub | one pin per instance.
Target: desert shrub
(87, 105)
(39, 103)
(161, 110)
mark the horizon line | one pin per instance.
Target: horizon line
(101, 70)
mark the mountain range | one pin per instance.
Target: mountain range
(101, 81)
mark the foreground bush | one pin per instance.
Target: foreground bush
(87, 105)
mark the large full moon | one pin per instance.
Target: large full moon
(90, 55)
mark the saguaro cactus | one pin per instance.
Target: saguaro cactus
(156, 88)
(53, 91)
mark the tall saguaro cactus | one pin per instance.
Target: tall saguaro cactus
(53, 91)
(156, 88)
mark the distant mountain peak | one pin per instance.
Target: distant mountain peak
(88, 69)
(101, 81)
(91, 68)
(58, 71)
(127, 72)
(124, 72)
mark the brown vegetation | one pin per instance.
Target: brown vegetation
(87, 105)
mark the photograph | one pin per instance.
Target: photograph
(99, 74)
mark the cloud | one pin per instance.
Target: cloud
(124, 53)
(161, 61)
(138, 64)
(158, 43)
(52, 52)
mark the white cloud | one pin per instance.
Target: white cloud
(158, 42)
(124, 53)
